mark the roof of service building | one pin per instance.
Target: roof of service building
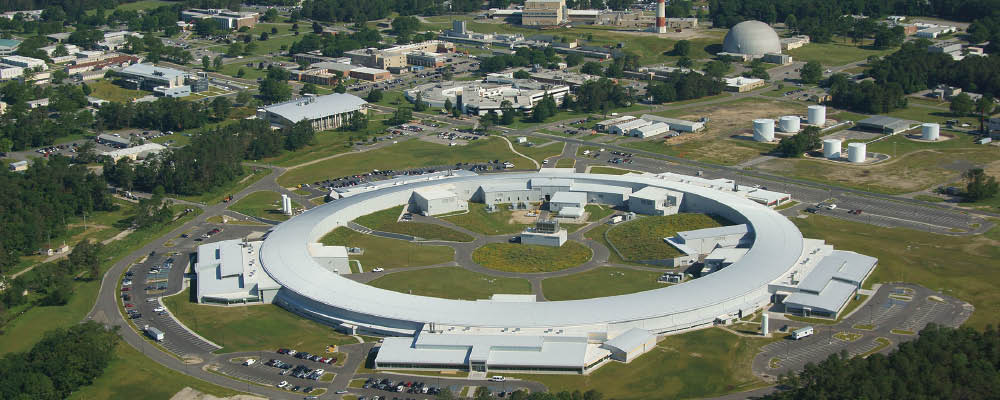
(315, 107)
(631, 339)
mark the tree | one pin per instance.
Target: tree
(795, 146)
(483, 393)
(488, 121)
(308, 88)
(402, 115)
(243, 97)
(274, 90)
(456, 111)
(961, 105)
(274, 30)
(206, 62)
(340, 88)
(791, 22)
(221, 107)
(264, 36)
(592, 68)
(374, 96)
(685, 62)
(419, 104)
(812, 72)
(217, 62)
(979, 186)
(234, 50)
(317, 28)
(60, 51)
(270, 15)
(507, 113)
(521, 74)
(682, 48)
(358, 122)
(985, 108)
(574, 59)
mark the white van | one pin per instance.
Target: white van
(497, 378)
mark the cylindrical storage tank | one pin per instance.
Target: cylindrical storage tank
(857, 152)
(763, 130)
(817, 115)
(789, 124)
(831, 148)
(763, 323)
(930, 131)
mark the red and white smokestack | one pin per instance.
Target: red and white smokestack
(661, 16)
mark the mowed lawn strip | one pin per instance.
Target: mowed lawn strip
(488, 223)
(600, 282)
(597, 211)
(642, 239)
(264, 204)
(386, 221)
(265, 327)
(704, 363)
(388, 253)
(451, 283)
(515, 257)
(969, 270)
(408, 154)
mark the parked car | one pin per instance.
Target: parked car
(282, 384)
(249, 362)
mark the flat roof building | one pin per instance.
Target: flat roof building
(740, 84)
(324, 112)
(655, 201)
(650, 130)
(24, 62)
(149, 76)
(134, 153)
(831, 284)
(18, 166)
(113, 141)
(567, 199)
(623, 128)
(544, 12)
(679, 125)
(8, 46)
(630, 345)
(884, 124)
(437, 201)
(332, 258)
(228, 272)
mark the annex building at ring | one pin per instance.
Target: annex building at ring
(516, 334)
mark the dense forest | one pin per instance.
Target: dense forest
(914, 69)
(522, 57)
(336, 45)
(211, 160)
(63, 361)
(679, 86)
(34, 204)
(943, 363)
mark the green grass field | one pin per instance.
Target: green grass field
(327, 143)
(834, 54)
(539, 152)
(250, 328)
(917, 113)
(388, 253)
(217, 194)
(608, 170)
(104, 89)
(130, 374)
(143, 5)
(565, 163)
(386, 221)
(29, 328)
(964, 267)
(264, 204)
(597, 211)
(600, 282)
(704, 363)
(451, 283)
(232, 69)
(408, 154)
(642, 238)
(515, 257)
(487, 223)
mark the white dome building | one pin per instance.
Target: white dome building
(751, 37)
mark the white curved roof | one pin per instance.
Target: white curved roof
(285, 257)
(751, 37)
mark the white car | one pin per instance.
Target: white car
(159, 308)
(126, 283)
(497, 378)
(379, 269)
(282, 384)
(249, 362)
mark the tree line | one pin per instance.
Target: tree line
(943, 363)
(62, 362)
(336, 45)
(679, 86)
(915, 69)
(35, 204)
(522, 57)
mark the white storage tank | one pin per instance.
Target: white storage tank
(831, 148)
(857, 152)
(763, 130)
(930, 131)
(788, 124)
(817, 115)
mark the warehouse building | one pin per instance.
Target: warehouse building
(24, 62)
(650, 130)
(437, 201)
(603, 126)
(623, 128)
(630, 345)
(370, 74)
(679, 125)
(113, 141)
(228, 272)
(323, 112)
(149, 76)
(655, 201)
(544, 233)
(740, 84)
(884, 124)
(228, 20)
(331, 258)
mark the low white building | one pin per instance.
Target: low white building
(135, 153)
(332, 258)
(8, 72)
(508, 193)
(24, 62)
(545, 233)
(562, 200)
(630, 344)
(655, 201)
(436, 201)
(704, 241)
(678, 125)
(648, 131)
(623, 128)
(229, 272)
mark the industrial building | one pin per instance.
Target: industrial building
(884, 124)
(831, 284)
(794, 42)
(228, 272)
(679, 125)
(544, 233)
(655, 201)
(113, 141)
(648, 131)
(8, 46)
(149, 76)
(574, 201)
(516, 334)
(324, 112)
(396, 56)
(479, 98)
(544, 12)
(134, 153)
(370, 74)
(740, 84)
(603, 126)
(623, 128)
(331, 258)
(24, 62)
(437, 201)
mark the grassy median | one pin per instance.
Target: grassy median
(451, 283)
(515, 257)
(387, 221)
